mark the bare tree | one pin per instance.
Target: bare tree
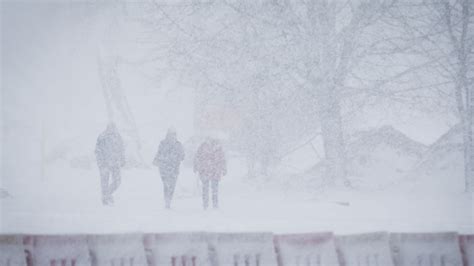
(449, 37)
(458, 18)
(330, 54)
(108, 61)
(330, 35)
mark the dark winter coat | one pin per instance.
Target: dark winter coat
(109, 149)
(169, 156)
(210, 160)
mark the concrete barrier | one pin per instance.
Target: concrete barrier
(312, 249)
(467, 249)
(12, 250)
(245, 249)
(183, 249)
(117, 250)
(426, 249)
(59, 251)
(371, 249)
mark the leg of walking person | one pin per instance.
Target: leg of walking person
(172, 186)
(104, 184)
(215, 193)
(116, 181)
(205, 193)
(166, 190)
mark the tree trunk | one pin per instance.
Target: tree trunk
(470, 149)
(464, 106)
(466, 114)
(334, 148)
(328, 97)
(464, 96)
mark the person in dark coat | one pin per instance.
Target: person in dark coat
(210, 163)
(168, 158)
(110, 156)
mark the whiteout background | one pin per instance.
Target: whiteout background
(53, 110)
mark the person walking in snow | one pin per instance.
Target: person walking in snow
(168, 158)
(210, 163)
(110, 156)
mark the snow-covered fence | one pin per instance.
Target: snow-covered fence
(117, 250)
(173, 249)
(59, 251)
(313, 249)
(467, 249)
(12, 251)
(236, 249)
(426, 249)
(370, 249)
(245, 249)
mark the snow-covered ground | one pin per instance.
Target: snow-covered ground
(70, 203)
(53, 109)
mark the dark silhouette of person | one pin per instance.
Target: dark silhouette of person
(168, 158)
(110, 156)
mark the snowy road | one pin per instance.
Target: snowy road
(47, 206)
